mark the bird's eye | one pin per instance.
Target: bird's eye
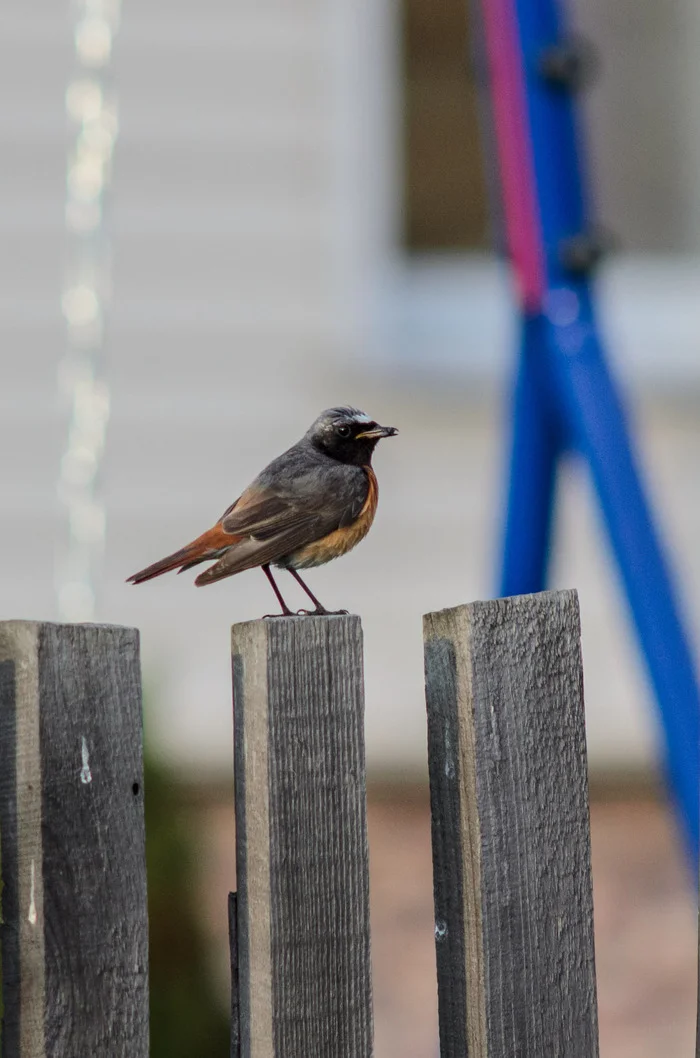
(342, 431)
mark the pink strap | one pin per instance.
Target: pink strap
(514, 155)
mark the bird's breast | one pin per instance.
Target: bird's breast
(342, 540)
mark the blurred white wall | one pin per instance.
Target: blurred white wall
(644, 121)
(257, 279)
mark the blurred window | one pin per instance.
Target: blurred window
(640, 118)
(445, 200)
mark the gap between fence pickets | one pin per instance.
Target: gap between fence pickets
(507, 761)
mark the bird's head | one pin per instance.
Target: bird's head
(347, 435)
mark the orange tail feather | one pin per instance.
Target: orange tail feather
(209, 545)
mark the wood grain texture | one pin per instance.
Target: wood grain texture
(511, 845)
(75, 932)
(303, 883)
(23, 957)
(233, 949)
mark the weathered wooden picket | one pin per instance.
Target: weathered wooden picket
(512, 880)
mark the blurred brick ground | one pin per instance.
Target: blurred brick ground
(645, 917)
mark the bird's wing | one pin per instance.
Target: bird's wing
(252, 551)
(273, 525)
(263, 513)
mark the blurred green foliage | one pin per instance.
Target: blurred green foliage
(186, 1019)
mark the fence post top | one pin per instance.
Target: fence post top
(561, 597)
(18, 623)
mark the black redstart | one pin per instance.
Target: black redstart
(312, 504)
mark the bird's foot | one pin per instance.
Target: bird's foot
(321, 611)
(285, 613)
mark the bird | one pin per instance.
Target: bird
(310, 505)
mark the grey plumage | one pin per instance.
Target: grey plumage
(309, 505)
(305, 495)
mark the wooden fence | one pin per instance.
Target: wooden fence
(512, 880)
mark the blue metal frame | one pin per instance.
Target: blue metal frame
(565, 398)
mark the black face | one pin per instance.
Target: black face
(348, 435)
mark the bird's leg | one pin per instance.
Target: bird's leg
(286, 612)
(320, 608)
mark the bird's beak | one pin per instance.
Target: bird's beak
(378, 431)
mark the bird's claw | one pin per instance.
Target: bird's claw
(321, 613)
(306, 613)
